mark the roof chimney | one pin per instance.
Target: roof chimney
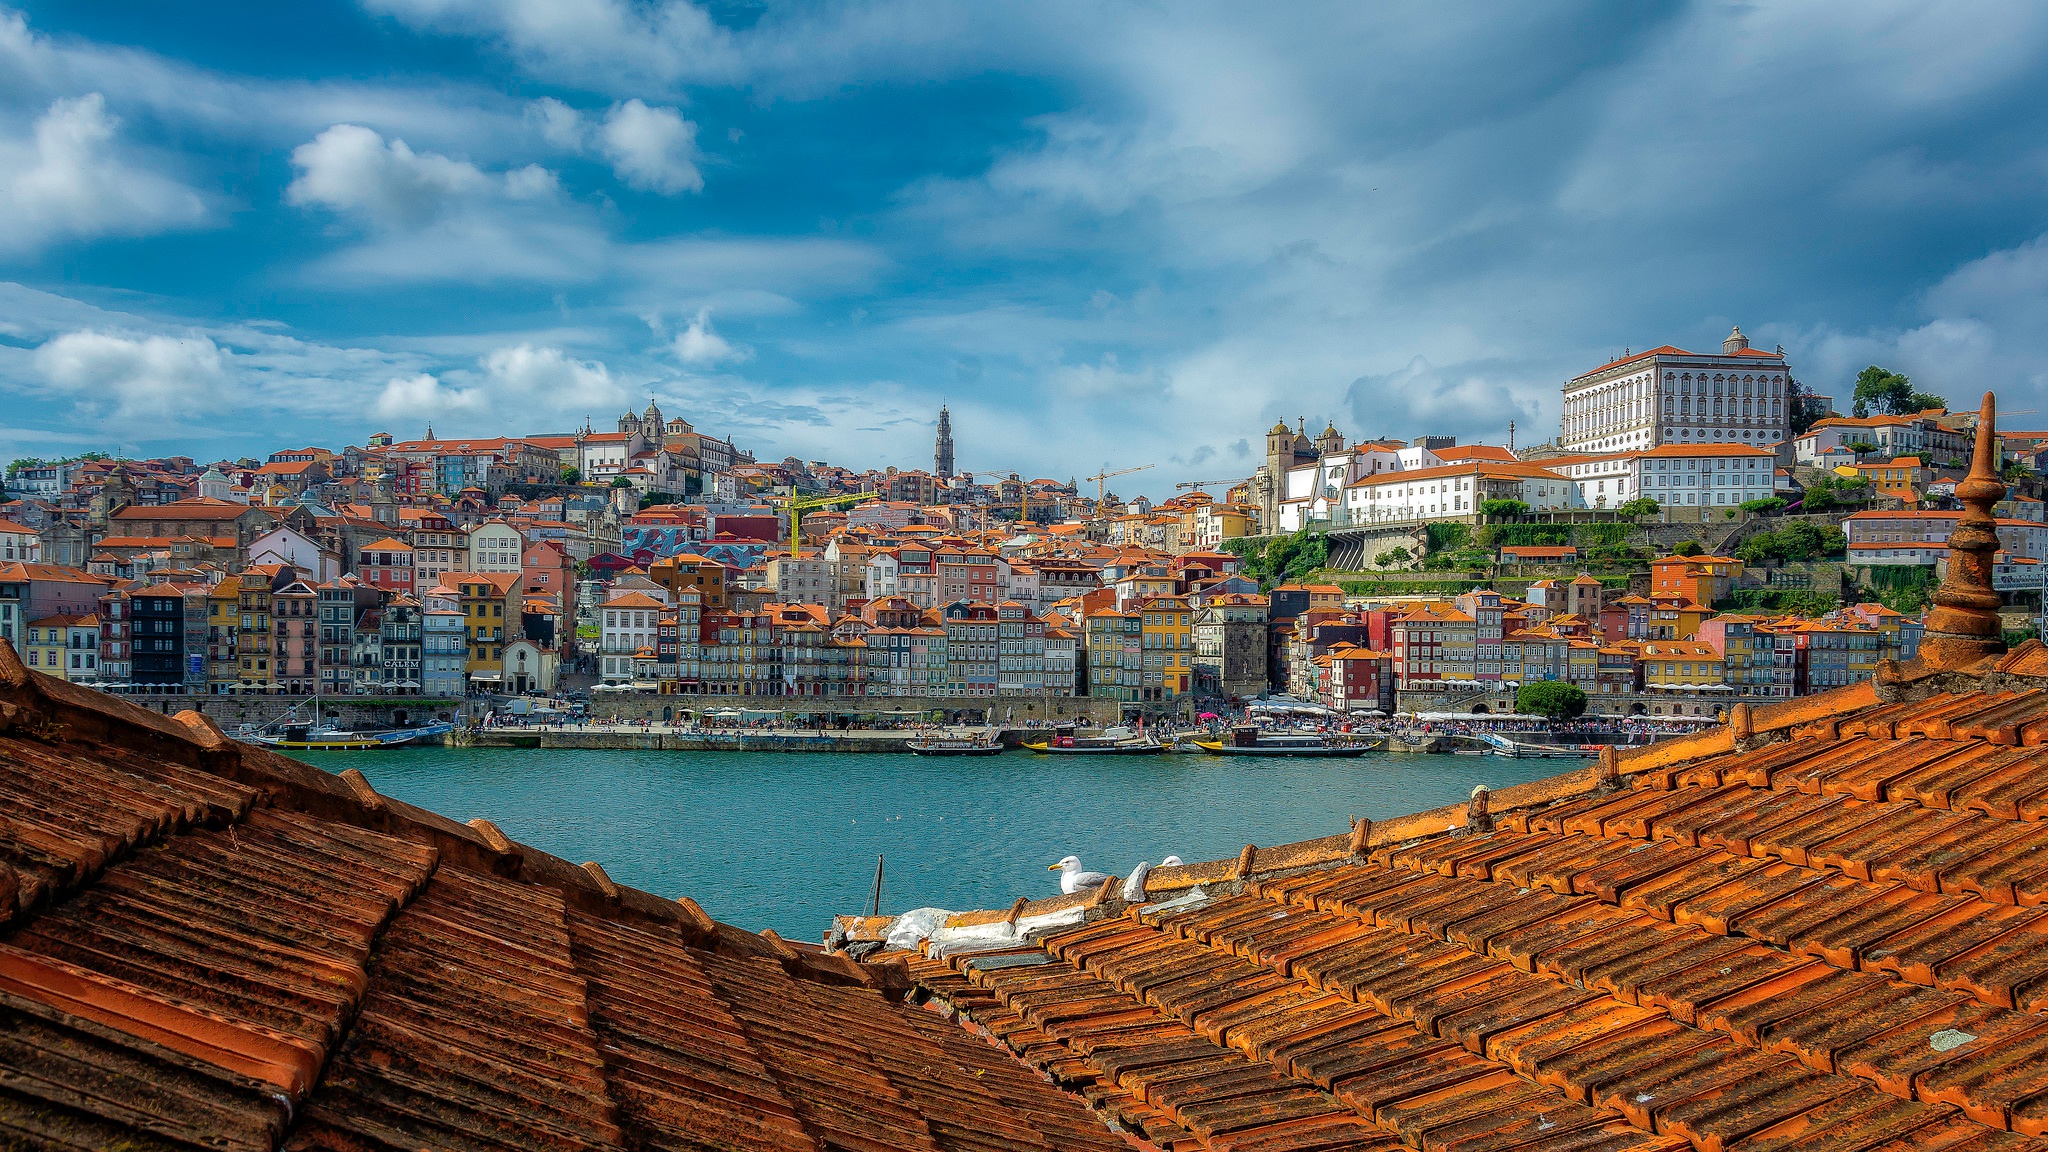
(1963, 626)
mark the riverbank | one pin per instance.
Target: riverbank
(638, 739)
(666, 738)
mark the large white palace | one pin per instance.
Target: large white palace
(1670, 396)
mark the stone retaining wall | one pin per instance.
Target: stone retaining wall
(1702, 704)
(975, 710)
(231, 712)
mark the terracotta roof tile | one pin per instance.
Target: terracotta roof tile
(1821, 926)
(206, 945)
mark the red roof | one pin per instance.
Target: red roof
(211, 946)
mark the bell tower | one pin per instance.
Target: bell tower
(942, 452)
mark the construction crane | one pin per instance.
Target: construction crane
(1198, 485)
(796, 507)
(1023, 488)
(1101, 482)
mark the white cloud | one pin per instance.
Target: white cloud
(525, 371)
(353, 170)
(130, 379)
(520, 384)
(558, 123)
(699, 346)
(68, 181)
(434, 217)
(422, 396)
(652, 149)
(1108, 378)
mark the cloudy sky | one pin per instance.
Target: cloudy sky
(1127, 233)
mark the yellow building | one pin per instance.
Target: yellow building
(490, 620)
(67, 647)
(255, 669)
(1167, 636)
(1682, 665)
(1904, 477)
(223, 635)
(1674, 617)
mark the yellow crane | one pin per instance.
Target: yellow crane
(1101, 482)
(796, 506)
(1023, 489)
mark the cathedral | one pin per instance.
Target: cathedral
(647, 429)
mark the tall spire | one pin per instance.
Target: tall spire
(942, 455)
(1963, 626)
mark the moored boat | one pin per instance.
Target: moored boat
(941, 745)
(301, 738)
(1119, 741)
(1132, 748)
(1249, 740)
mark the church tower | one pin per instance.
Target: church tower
(942, 455)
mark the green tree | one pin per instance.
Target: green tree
(1392, 556)
(1283, 559)
(1640, 506)
(1861, 448)
(1891, 393)
(621, 482)
(1804, 408)
(571, 475)
(1503, 508)
(1686, 548)
(1763, 507)
(1553, 698)
(1799, 540)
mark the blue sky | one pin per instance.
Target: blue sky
(1124, 233)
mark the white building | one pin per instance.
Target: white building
(281, 545)
(627, 624)
(881, 575)
(213, 485)
(1018, 581)
(1668, 395)
(1316, 491)
(1676, 476)
(1060, 659)
(19, 543)
(495, 546)
(1828, 441)
(1450, 490)
(1921, 538)
(887, 514)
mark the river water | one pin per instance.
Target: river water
(785, 841)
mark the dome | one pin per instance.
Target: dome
(1280, 429)
(1330, 431)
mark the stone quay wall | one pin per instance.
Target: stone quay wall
(1016, 710)
(1622, 704)
(231, 712)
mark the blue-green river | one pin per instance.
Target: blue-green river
(785, 841)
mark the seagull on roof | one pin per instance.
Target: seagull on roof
(1072, 879)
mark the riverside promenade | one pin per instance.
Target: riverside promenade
(666, 738)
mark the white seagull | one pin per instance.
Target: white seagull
(1072, 879)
